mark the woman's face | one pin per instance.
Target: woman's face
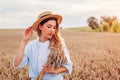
(48, 29)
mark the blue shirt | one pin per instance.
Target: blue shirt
(30, 57)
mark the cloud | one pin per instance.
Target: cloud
(24, 12)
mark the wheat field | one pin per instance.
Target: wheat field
(95, 55)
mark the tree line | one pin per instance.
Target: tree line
(106, 23)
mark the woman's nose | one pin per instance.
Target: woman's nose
(52, 30)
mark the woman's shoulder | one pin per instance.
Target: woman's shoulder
(63, 42)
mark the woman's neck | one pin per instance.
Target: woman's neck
(42, 39)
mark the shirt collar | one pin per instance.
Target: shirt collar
(39, 43)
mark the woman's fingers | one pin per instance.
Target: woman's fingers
(29, 29)
(45, 67)
(48, 69)
(28, 33)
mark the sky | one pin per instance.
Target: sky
(23, 13)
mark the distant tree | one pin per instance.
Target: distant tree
(105, 26)
(115, 26)
(107, 22)
(93, 23)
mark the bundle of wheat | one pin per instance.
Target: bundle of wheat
(55, 59)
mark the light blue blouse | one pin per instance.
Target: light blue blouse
(30, 57)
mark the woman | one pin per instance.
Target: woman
(36, 52)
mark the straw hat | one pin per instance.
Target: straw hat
(45, 15)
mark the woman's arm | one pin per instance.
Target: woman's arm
(20, 52)
(69, 65)
(61, 69)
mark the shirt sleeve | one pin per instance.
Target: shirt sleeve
(68, 66)
(26, 57)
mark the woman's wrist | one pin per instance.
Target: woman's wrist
(58, 70)
(24, 41)
(61, 69)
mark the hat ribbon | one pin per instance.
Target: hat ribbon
(45, 15)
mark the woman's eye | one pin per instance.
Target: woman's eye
(48, 26)
(54, 28)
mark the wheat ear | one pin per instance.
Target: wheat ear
(39, 77)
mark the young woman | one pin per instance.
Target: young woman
(36, 52)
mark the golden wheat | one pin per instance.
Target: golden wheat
(95, 56)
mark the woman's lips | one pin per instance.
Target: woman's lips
(50, 34)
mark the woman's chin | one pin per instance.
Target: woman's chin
(50, 37)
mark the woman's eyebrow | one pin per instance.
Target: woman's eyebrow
(51, 25)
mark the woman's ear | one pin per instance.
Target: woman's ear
(40, 27)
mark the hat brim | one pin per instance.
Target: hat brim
(36, 23)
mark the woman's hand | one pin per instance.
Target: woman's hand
(48, 69)
(27, 34)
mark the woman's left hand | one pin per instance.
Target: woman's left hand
(48, 69)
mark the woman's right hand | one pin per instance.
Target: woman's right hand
(27, 34)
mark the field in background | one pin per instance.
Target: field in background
(95, 56)
(83, 29)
